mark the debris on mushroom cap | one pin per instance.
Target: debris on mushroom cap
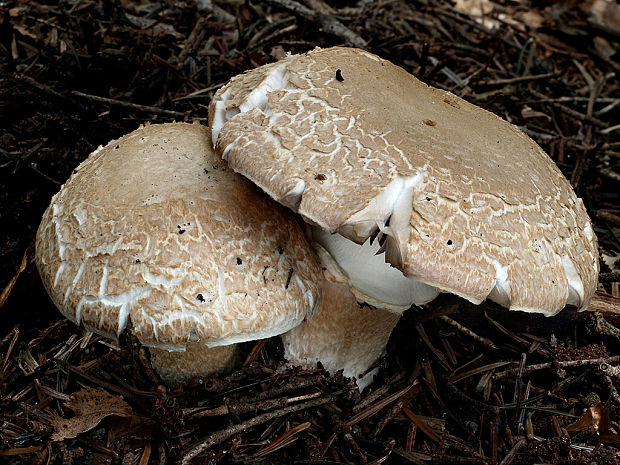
(153, 232)
(342, 335)
(470, 204)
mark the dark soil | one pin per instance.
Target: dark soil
(76, 74)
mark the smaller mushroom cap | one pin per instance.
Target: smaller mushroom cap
(153, 232)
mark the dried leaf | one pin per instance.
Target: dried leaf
(22, 266)
(483, 369)
(425, 427)
(90, 407)
(283, 440)
(611, 259)
(23, 30)
(533, 19)
(278, 52)
(367, 412)
(20, 451)
(528, 112)
(144, 460)
(529, 427)
(607, 50)
(479, 10)
(607, 14)
(484, 385)
(610, 438)
(594, 418)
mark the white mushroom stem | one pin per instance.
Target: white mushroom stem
(342, 335)
(176, 368)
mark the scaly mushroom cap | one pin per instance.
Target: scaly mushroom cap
(154, 232)
(470, 204)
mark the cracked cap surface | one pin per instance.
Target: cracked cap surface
(470, 204)
(155, 232)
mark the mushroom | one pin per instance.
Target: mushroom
(461, 200)
(152, 232)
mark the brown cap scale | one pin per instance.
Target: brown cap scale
(154, 233)
(468, 202)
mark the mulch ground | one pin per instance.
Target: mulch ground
(460, 384)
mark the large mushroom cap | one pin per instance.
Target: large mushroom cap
(470, 204)
(154, 232)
